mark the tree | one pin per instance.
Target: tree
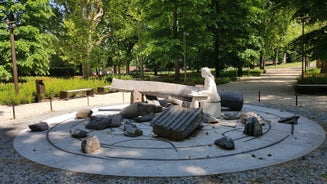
(79, 36)
(33, 39)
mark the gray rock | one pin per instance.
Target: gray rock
(78, 133)
(225, 143)
(139, 109)
(131, 130)
(252, 127)
(84, 113)
(39, 127)
(116, 120)
(90, 145)
(103, 122)
(98, 123)
(289, 120)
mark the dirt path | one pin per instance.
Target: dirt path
(276, 87)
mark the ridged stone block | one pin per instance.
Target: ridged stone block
(177, 123)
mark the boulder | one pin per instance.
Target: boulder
(252, 127)
(84, 113)
(139, 109)
(90, 145)
(39, 127)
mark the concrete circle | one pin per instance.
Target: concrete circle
(151, 156)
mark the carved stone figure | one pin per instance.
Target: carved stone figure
(209, 97)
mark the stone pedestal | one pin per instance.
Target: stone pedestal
(212, 108)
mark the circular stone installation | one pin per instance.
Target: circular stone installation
(151, 156)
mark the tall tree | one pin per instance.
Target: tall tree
(79, 35)
(33, 40)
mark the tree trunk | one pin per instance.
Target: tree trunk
(176, 61)
(262, 62)
(322, 65)
(239, 71)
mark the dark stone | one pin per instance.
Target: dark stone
(78, 133)
(131, 130)
(252, 127)
(39, 127)
(289, 120)
(90, 145)
(225, 143)
(103, 122)
(98, 123)
(139, 109)
(116, 120)
(84, 113)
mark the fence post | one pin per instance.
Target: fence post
(296, 99)
(259, 96)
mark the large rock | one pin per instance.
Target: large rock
(177, 123)
(100, 123)
(90, 145)
(252, 127)
(38, 127)
(84, 113)
(140, 109)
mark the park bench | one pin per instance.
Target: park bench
(86, 91)
(311, 88)
(312, 85)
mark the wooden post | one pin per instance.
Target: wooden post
(259, 96)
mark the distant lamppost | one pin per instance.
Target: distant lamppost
(185, 57)
(11, 27)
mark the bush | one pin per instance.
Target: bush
(109, 77)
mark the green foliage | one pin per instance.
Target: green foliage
(109, 77)
(313, 79)
(33, 41)
(312, 71)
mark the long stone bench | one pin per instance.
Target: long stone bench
(86, 91)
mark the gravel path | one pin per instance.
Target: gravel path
(275, 91)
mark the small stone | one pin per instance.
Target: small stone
(84, 113)
(78, 133)
(90, 145)
(39, 127)
(225, 143)
(131, 130)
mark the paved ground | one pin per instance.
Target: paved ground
(275, 89)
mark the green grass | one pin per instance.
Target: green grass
(285, 65)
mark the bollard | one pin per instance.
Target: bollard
(259, 96)
(296, 99)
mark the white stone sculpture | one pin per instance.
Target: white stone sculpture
(209, 97)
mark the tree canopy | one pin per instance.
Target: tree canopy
(91, 35)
